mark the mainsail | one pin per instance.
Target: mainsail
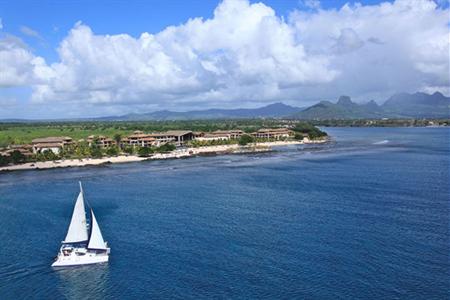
(96, 239)
(77, 229)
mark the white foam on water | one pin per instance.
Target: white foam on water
(381, 142)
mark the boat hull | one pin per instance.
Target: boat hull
(74, 260)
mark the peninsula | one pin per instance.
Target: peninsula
(64, 151)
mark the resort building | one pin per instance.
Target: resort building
(218, 135)
(54, 144)
(213, 137)
(233, 134)
(198, 134)
(101, 141)
(161, 138)
(138, 138)
(273, 133)
(179, 137)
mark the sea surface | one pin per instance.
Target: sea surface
(364, 217)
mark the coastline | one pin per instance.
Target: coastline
(179, 153)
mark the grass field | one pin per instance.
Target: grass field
(25, 133)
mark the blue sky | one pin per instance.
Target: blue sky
(304, 51)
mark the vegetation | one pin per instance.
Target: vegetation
(16, 157)
(113, 151)
(308, 129)
(166, 148)
(4, 160)
(246, 139)
(145, 151)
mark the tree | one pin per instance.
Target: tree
(306, 128)
(4, 160)
(128, 150)
(49, 155)
(17, 157)
(118, 139)
(246, 139)
(95, 150)
(166, 148)
(299, 136)
(145, 151)
(112, 151)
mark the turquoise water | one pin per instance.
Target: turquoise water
(366, 216)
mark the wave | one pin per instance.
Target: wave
(381, 142)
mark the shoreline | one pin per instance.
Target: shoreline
(180, 153)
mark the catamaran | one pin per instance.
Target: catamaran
(83, 244)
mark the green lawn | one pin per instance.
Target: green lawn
(22, 134)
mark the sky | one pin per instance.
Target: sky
(80, 58)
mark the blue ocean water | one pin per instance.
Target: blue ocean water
(364, 217)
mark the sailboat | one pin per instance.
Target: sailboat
(83, 244)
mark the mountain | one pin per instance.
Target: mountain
(274, 110)
(417, 105)
(345, 108)
(402, 105)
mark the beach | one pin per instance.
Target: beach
(179, 153)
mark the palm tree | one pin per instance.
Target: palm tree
(118, 139)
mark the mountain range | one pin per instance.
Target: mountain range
(275, 110)
(402, 105)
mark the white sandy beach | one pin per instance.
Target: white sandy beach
(180, 153)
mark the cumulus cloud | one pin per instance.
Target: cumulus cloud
(245, 54)
(244, 51)
(18, 65)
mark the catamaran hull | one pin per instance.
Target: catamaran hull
(78, 261)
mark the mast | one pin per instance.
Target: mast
(77, 231)
(95, 239)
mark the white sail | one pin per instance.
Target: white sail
(77, 229)
(96, 239)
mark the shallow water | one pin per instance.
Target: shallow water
(366, 216)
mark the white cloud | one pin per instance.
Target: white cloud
(407, 49)
(312, 4)
(30, 32)
(18, 65)
(245, 54)
(244, 48)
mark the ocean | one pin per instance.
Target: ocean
(363, 217)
